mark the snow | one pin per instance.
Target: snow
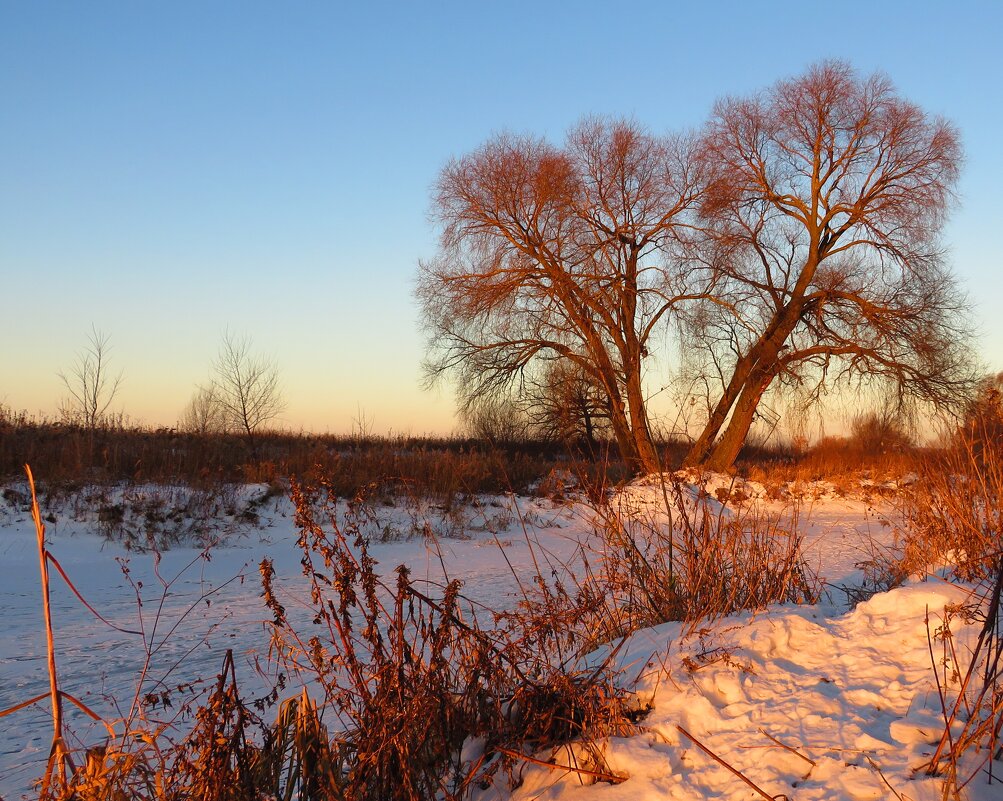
(101, 666)
(805, 702)
(851, 691)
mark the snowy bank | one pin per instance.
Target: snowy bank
(805, 702)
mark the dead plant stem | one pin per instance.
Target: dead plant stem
(59, 756)
(730, 768)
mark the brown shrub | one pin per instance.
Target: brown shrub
(953, 515)
(682, 559)
(415, 680)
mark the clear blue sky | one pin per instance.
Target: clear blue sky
(168, 171)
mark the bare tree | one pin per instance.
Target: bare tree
(982, 420)
(496, 418)
(549, 252)
(567, 405)
(246, 387)
(882, 430)
(91, 386)
(561, 403)
(827, 197)
(203, 415)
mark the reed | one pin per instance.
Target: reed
(59, 757)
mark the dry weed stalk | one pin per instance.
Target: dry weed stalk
(60, 765)
(955, 520)
(428, 702)
(59, 756)
(685, 560)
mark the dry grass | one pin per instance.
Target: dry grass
(444, 468)
(693, 560)
(428, 701)
(954, 515)
(684, 558)
(72, 458)
(841, 461)
(230, 754)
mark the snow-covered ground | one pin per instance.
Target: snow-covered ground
(852, 692)
(805, 702)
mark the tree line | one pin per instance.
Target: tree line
(793, 244)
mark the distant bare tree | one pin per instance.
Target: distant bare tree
(882, 430)
(498, 418)
(91, 386)
(561, 252)
(246, 387)
(561, 404)
(203, 415)
(827, 196)
(566, 404)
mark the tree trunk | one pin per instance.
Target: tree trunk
(700, 449)
(750, 379)
(727, 448)
(623, 416)
(618, 419)
(647, 455)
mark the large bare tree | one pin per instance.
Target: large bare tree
(560, 253)
(827, 197)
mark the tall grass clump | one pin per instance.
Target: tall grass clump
(427, 700)
(953, 515)
(229, 754)
(664, 552)
(954, 523)
(672, 554)
(970, 688)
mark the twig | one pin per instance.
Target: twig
(612, 778)
(76, 592)
(793, 750)
(933, 764)
(88, 711)
(733, 770)
(63, 694)
(23, 704)
(894, 792)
